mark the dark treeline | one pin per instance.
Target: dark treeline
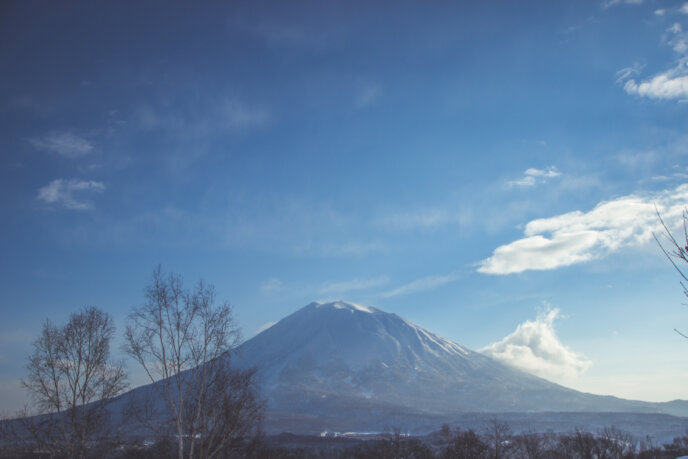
(493, 441)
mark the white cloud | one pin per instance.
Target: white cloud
(61, 192)
(532, 177)
(670, 84)
(680, 46)
(64, 143)
(354, 284)
(549, 173)
(534, 347)
(667, 85)
(684, 8)
(660, 12)
(525, 181)
(577, 237)
(422, 284)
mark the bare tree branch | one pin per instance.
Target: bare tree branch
(71, 379)
(183, 340)
(676, 251)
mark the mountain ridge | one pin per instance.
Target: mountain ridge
(339, 366)
(327, 358)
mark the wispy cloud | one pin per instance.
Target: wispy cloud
(354, 284)
(627, 72)
(217, 117)
(297, 35)
(239, 116)
(533, 176)
(422, 284)
(366, 96)
(677, 38)
(670, 84)
(427, 218)
(271, 285)
(635, 160)
(578, 237)
(609, 3)
(64, 143)
(344, 249)
(286, 35)
(60, 192)
(187, 127)
(535, 347)
(679, 175)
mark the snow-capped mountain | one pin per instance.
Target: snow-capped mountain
(359, 367)
(343, 367)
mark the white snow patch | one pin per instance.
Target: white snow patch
(349, 306)
(445, 344)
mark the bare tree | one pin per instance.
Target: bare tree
(531, 445)
(464, 443)
(182, 340)
(70, 380)
(499, 438)
(583, 443)
(676, 252)
(228, 409)
(615, 443)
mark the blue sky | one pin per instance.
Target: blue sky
(487, 170)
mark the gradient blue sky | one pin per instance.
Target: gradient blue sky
(486, 170)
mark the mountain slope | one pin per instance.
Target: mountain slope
(344, 367)
(345, 361)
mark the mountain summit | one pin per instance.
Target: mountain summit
(350, 365)
(344, 367)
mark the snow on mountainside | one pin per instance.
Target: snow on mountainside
(344, 367)
(349, 337)
(352, 362)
